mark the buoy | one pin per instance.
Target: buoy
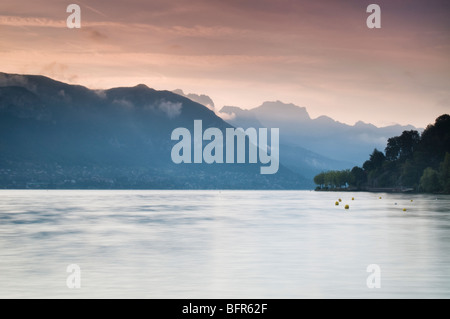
(340, 200)
(347, 207)
(337, 203)
(380, 197)
(404, 209)
(353, 198)
(411, 200)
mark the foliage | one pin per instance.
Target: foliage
(444, 173)
(429, 182)
(333, 179)
(411, 160)
(402, 147)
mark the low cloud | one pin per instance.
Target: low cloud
(101, 93)
(226, 116)
(12, 79)
(370, 139)
(171, 109)
(124, 104)
(58, 71)
(16, 80)
(208, 102)
(201, 99)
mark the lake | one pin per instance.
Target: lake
(223, 244)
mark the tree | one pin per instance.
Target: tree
(392, 149)
(368, 166)
(375, 161)
(330, 177)
(344, 178)
(402, 147)
(319, 179)
(444, 173)
(357, 177)
(429, 182)
(411, 159)
(410, 175)
(435, 140)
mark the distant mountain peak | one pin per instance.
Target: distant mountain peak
(280, 104)
(282, 111)
(69, 136)
(230, 109)
(199, 98)
(141, 86)
(324, 118)
(361, 124)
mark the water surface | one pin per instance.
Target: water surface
(223, 244)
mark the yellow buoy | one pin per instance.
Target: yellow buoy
(347, 207)
(411, 200)
(380, 197)
(340, 200)
(337, 203)
(404, 209)
(353, 198)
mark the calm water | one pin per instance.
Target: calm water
(223, 244)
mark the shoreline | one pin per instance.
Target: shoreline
(372, 190)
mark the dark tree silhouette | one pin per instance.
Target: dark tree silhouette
(421, 162)
(402, 147)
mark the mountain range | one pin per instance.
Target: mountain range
(323, 135)
(57, 135)
(309, 146)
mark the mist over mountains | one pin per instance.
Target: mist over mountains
(56, 135)
(311, 145)
(322, 135)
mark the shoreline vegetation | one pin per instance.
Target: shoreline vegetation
(411, 162)
(369, 190)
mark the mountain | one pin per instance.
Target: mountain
(57, 135)
(201, 99)
(335, 142)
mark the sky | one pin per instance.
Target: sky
(317, 54)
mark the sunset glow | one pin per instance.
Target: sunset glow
(317, 54)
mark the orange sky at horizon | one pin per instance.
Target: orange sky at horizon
(316, 54)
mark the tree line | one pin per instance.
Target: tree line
(420, 162)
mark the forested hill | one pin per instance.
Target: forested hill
(411, 161)
(57, 135)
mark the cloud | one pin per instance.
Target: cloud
(101, 94)
(16, 80)
(58, 71)
(315, 53)
(206, 101)
(15, 21)
(226, 116)
(369, 139)
(171, 109)
(94, 34)
(13, 79)
(124, 104)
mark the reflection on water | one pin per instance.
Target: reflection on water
(223, 244)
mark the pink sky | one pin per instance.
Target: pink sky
(318, 54)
